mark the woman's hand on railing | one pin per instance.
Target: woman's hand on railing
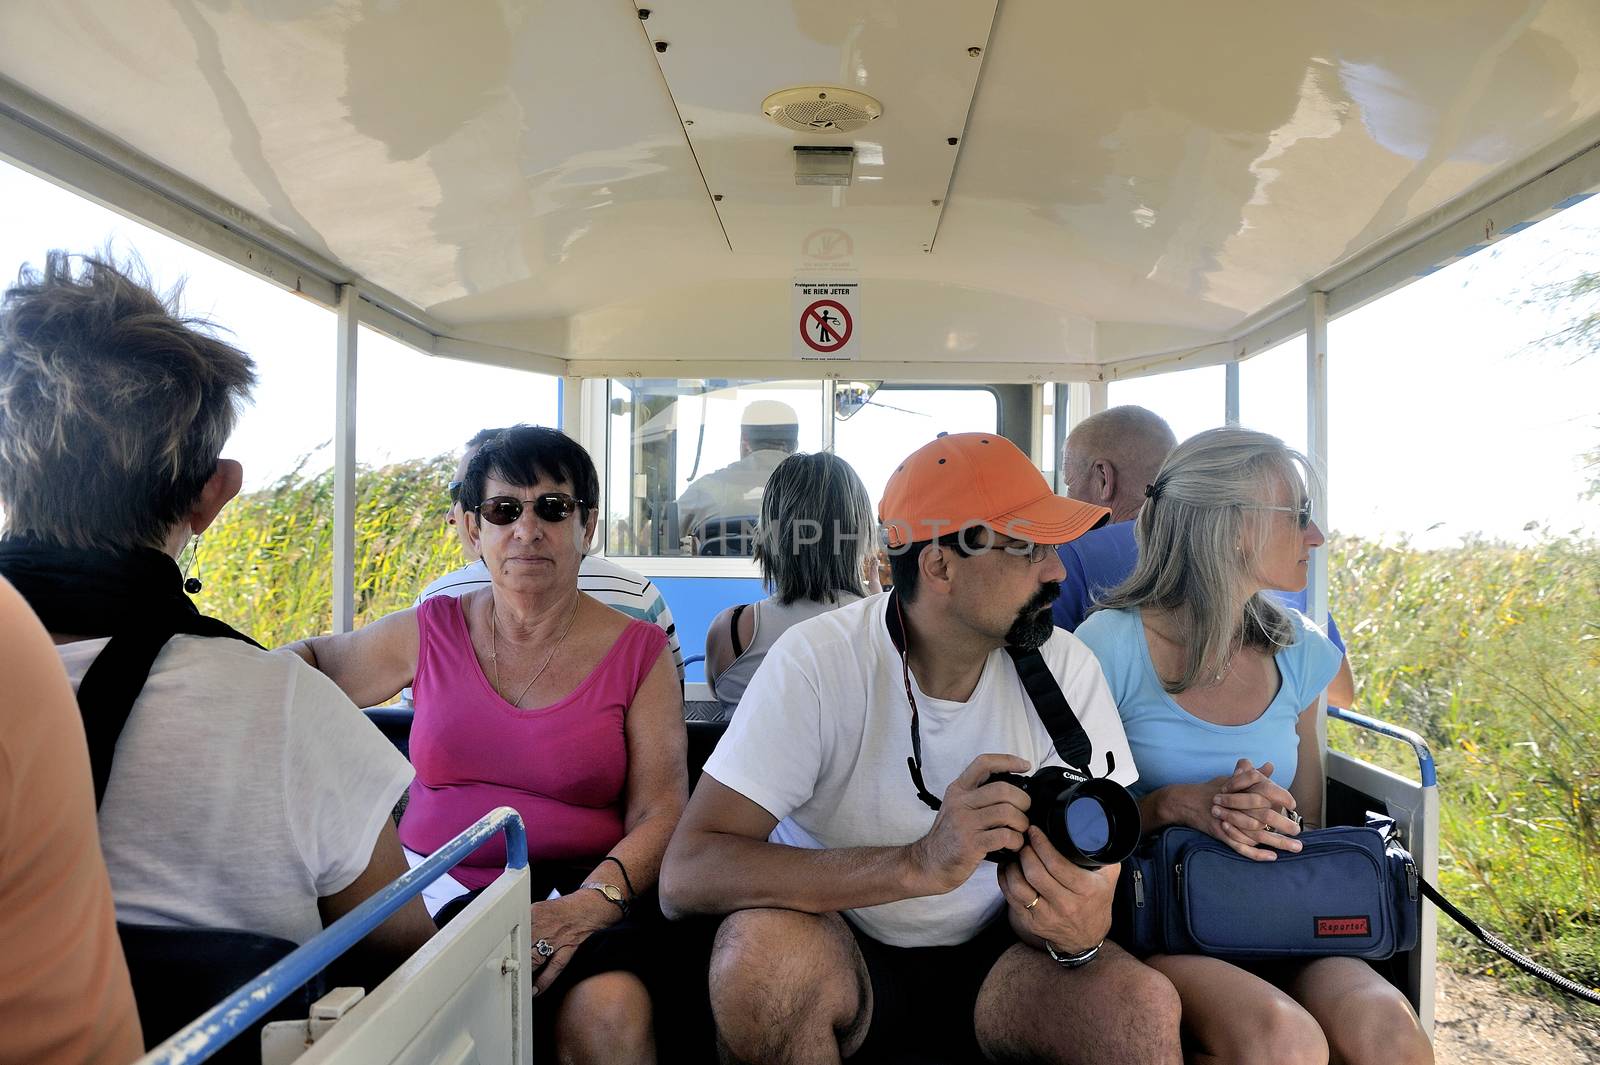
(560, 925)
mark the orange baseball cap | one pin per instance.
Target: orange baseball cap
(965, 479)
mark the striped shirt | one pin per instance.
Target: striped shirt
(617, 587)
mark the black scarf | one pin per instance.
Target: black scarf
(135, 597)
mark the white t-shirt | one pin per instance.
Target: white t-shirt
(821, 738)
(245, 787)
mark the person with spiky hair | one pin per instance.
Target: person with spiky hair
(236, 788)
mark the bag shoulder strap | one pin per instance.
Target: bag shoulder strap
(115, 678)
(1050, 703)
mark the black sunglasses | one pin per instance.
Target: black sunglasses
(551, 507)
(455, 492)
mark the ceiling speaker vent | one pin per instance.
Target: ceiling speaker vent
(819, 109)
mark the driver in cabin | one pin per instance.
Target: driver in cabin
(237, 788)
(861, 923)
(769, 432)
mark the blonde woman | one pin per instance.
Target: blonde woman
(1218, 687)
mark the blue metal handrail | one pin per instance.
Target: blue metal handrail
(213, 1029)
(1419, 745)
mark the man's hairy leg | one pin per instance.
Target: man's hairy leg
(1111, 1011)
(788, 988)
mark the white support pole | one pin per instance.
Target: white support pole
(830, 397)
(1317, 452)
(1038, 446)
(1099, 396)
(1230, 399)
(571, 413)
(344, 464)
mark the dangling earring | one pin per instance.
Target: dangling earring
(192, 584)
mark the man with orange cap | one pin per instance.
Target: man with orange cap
(864, 918)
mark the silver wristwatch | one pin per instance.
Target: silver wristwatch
(1073, 961)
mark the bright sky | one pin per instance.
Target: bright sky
(1448, 420)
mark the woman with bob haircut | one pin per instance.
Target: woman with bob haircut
(1218, 686)
(813, 547)
(531, 694)
(235, 787)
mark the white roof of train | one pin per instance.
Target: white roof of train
(1132, 185)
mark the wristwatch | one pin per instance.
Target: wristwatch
(612, 893)
(1073, 961)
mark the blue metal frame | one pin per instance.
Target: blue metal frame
(1383, 728)
(213, 1029)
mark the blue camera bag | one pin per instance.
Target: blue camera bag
(1351, 890)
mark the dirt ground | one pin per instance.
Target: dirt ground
(1478, 1023)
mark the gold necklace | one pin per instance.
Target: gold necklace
(494, 649)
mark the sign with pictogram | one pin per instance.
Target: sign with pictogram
(826, 318)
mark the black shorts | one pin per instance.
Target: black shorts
(671, 958)
(924, 998)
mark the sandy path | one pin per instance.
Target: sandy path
(1479, 1023)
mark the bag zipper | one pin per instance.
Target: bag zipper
(1138, 889)
(1411, 881)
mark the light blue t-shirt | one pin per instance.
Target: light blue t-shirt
(1171, 745)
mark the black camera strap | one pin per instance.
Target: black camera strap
(1049, 702)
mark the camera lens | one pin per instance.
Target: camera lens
(1088, 824)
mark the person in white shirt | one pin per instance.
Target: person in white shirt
(862, 922)
(237, 788)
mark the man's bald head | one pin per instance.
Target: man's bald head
(1109, 457)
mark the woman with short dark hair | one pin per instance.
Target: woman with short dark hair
(1217, 685)
(813, 546)
(533, 695)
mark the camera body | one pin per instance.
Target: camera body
(1092, 821)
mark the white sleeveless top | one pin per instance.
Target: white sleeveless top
(772, 619)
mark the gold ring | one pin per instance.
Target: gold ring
(1034, 903)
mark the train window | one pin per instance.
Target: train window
(414, 412)
(1265, 381)
(1190, 400)
(687, 460)
(875, 426)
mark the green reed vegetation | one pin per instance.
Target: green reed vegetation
(1491, 652)
(267, 563)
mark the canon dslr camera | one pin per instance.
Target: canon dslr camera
(1093, 821)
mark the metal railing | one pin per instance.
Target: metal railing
(1418, 745)
(213, 1029)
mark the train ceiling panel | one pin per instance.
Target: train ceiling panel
(1130, 178)
(919, 59)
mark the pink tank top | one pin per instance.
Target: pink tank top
(564, 767)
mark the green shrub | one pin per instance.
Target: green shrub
(1492, 653)
(268, 560)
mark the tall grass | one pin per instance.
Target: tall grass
(267, 563)
(1492, 652)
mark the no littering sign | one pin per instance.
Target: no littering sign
(825, 319)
